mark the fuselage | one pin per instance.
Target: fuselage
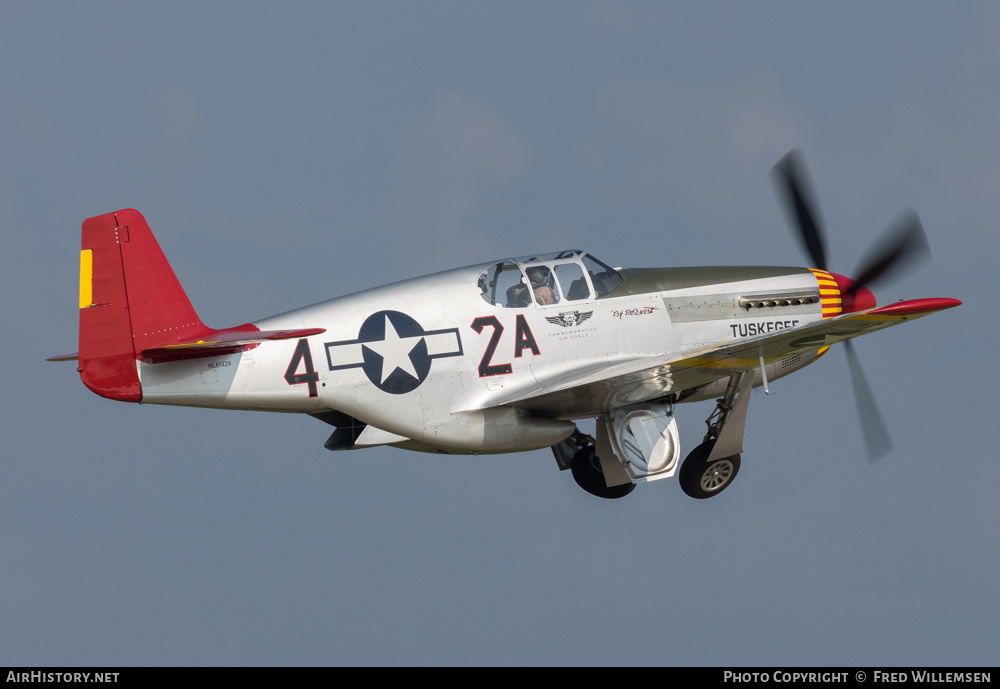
(442, 361)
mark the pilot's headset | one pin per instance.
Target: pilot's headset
(537, 275)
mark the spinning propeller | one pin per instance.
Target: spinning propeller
(901, 246)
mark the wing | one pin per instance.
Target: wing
(617, 383)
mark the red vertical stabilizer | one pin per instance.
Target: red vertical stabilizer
(130, 300)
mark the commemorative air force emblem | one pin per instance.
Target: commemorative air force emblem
(568, 319)
(394, 351)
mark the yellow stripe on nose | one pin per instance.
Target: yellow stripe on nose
(86, 278)
(831, 298)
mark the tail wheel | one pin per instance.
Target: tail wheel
(703, 479)
(588, 475)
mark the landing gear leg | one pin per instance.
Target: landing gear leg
(711, 467)
(565, 450)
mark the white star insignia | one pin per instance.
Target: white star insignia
(395, 351)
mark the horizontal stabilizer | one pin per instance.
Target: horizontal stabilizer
(220, 342)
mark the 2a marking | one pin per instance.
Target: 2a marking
(524, 340)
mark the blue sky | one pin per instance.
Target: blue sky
(285, 155)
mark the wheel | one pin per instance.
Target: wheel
(588, 475)
(701, 479)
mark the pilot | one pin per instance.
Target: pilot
(517, 296)
(539, 277)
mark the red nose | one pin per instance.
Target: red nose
(859, 301)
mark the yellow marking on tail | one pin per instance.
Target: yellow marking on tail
(86, 278)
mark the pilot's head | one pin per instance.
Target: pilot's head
(538, 275)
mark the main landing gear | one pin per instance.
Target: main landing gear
(578, 453)
(706, 471)
(711, 467)
(588, 475)
(701, 478)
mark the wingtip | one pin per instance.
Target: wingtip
(918, 306)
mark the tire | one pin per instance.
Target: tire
(588, 475)
(701, 479)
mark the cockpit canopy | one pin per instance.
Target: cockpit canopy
(564, 276)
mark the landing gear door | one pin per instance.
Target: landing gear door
(644, 440)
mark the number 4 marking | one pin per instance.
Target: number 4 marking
(304, 356)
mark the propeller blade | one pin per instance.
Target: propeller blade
(793, 188)
(877, 440)
(903, 244)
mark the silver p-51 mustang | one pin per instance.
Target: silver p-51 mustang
(501, 357)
